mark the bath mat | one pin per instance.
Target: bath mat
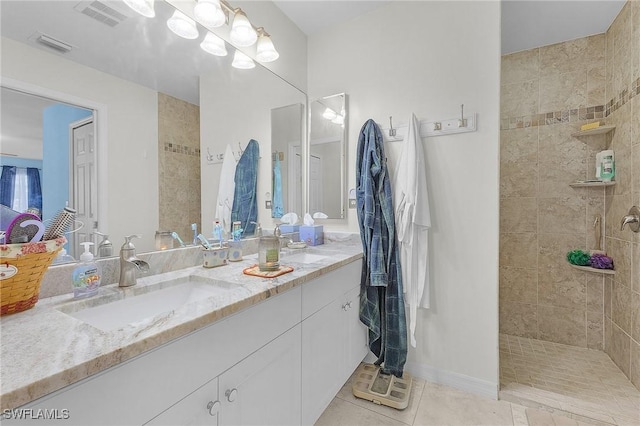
(255, 270)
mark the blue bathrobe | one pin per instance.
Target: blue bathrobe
(245, 203)
(381, 295)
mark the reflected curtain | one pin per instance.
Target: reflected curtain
(35, 191)
(7, 182)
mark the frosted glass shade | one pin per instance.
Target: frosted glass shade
(329, 114)
(265, 51)
(182, 25)
(143, 7)
(209, 13)
(242, 33)
(242, 61)
(214, 45)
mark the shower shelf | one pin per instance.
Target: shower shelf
(591, 184)
(597, 131)
(594, 270)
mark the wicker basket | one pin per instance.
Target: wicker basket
(22, 267)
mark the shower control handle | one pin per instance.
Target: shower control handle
(632, 219)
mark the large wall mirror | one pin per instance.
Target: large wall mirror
(163, 108)
(327, 156)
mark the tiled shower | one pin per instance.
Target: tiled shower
(546, 94)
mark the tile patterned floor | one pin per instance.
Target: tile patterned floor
(432, 404)
(582, 383)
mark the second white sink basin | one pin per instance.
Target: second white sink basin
(160, 298)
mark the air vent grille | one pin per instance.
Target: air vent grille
(53, 43)
(101, 12)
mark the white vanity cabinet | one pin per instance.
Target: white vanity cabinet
(279, 362)
(334, 341)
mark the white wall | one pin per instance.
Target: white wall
(428, 58)
(131, 173)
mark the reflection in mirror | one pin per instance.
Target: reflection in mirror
(286, 159)
(327, 152)
(57, 139)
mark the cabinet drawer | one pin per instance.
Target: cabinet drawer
(323, 290)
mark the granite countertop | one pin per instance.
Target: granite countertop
(45, 348)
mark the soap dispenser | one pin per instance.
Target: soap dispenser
(86, 276)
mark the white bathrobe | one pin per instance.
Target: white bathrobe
(226, 190)
(413, 220)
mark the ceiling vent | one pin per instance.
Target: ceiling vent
(110, 13)
(53, 43)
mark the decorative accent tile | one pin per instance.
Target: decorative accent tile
(181, 149)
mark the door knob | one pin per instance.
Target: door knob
(633, 219)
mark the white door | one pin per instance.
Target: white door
(264, 388)
(84, 194)
(294, 183)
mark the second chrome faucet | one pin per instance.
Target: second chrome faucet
(130, 265)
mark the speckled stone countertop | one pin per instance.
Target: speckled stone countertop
(45, 348)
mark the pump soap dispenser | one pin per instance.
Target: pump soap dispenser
(86, 276)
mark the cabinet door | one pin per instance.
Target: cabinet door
(199, 408)
(357, 347)
(264, 388)
(323, 336)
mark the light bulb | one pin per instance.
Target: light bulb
(182, 25)
(242, 61)
(265, 51)
(209, 13)
(329, 114)
(213, 44)
(242, 33)
(143, 7)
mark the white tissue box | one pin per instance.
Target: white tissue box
(312, 235)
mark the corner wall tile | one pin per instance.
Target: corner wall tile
(620, 349)
(621, 308)
(595, 331)
(634, 374)
(562, 325)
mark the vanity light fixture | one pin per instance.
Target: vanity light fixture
(265, 51)
(329, 114)
(209, 13)
(182, 25)
(242, 61)
(213, 44)
(143, 7)
(242, 32)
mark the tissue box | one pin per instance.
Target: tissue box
(291, 229)
(312, 235)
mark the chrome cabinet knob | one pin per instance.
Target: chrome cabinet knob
(213, 407)
(231, 394)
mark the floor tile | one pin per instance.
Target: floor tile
(343, 413)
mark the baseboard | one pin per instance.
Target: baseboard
(455, 380)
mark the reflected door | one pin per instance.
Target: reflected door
(84, 190)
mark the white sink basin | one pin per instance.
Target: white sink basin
(109, 314)
(302, 258)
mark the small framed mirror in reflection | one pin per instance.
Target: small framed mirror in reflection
(327, 156)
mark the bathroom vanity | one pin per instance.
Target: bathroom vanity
(258, 351)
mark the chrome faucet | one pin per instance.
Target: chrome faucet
(632, 219)
(130, 264)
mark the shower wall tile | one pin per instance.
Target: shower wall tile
(556, 175)
(563, 91)
(634, 374)
(617, 206)
(519, 145)
(620, 252)
(595, 206)
(563, 215)
(519, 319)
(518, 179)
(573, 55)
(596, 86)
(518, 285)
(608, 290)
(520, 66)
(595, 294)
(635, 316)
(595, 330)
(518, 249)
(620, 350)
(518, 214)
(520, 98)
(635, 269)
(562, 288)
(621, 307)
(562, 325)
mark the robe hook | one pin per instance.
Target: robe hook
(392, 131)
